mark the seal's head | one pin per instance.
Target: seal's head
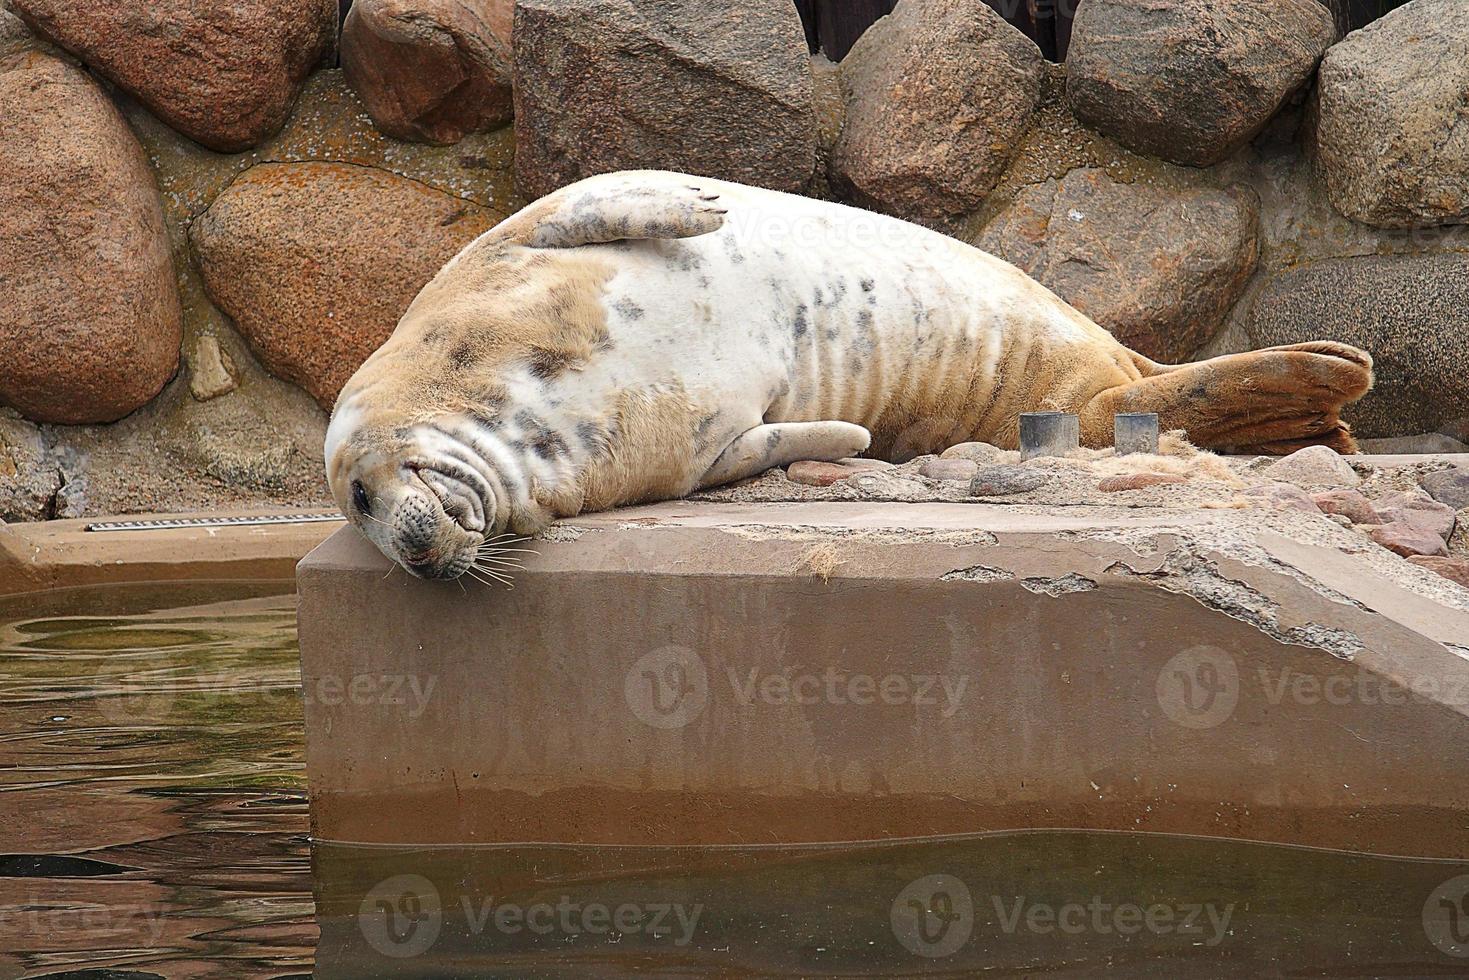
(424, 499)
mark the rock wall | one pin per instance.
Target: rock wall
(205, 224)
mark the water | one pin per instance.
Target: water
(151, 773)
(155, 824)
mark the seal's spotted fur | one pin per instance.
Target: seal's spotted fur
(637, 335)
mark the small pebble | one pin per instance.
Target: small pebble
(1003, 480)
(814, 473)
(1350, 504)
(962, 470)
(1454, 569)
(981, 453)
(1281, 496)
(1138, 481)
(1407, 540)
(859, 463)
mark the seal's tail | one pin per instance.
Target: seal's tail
(1271, 401)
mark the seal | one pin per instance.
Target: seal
(639, 335)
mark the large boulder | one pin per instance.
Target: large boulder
(316, 262)
(89, 313)
(427, 70)
(1410, 311)
(722, 90)
(1190, 81)
(1158, 268)
(938, 94)
(1393, 134)
(224, 74)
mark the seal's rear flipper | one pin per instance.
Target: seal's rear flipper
(782, 443)
(618, 207)
(1271, 401)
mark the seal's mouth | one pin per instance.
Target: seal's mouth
(462, 503)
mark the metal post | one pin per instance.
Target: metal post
(1048, 434)
(1135, 432)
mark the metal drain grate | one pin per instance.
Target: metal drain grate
(242, 521)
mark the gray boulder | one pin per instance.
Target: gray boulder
(1159, 268)
(722, 90)
(1393, 136)
(1190, 81)
(1410, 312)
(938, 95)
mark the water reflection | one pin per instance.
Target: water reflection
(1052, 904)
(151, 784)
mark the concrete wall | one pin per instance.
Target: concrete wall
(723, 674)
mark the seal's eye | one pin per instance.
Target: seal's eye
(359, 498)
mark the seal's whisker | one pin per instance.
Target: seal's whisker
(502, 569)
(485, 569)
(506, 551)
(501, 538)
(485, 581)
(499, 569)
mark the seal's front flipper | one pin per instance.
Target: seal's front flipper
(619, 207)
(1271, 401)
(782, 443)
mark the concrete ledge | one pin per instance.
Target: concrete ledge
(721, 674)
(57, 554)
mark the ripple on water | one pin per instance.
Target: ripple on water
(152, 783)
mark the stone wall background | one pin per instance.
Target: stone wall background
(1200, 178)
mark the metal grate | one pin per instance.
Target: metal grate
(247, 520)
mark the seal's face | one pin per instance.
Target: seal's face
(418, 500)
